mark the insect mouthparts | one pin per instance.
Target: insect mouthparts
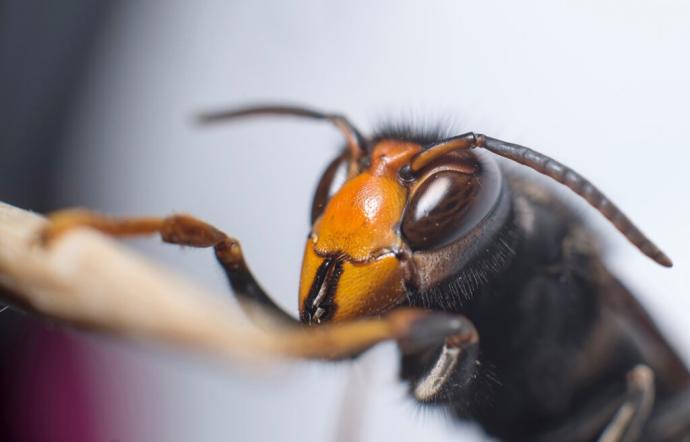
(319, 305)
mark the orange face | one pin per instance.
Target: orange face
(350, 268)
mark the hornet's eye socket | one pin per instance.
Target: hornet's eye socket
(332, 179)
(446, 205)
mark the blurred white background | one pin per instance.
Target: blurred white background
(600, 85)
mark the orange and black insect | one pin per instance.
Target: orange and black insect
(529, 334)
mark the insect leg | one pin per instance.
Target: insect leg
(177, 229)
(631, 416)
(413, 329)
(671, 419)
(455, 363)
(621, 414)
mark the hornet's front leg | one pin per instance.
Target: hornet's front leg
(630, 418)
(183, 230)
(431, 375)
(413, 329)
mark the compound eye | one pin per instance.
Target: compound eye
(331, 180)
(436, 214)
(449, 203)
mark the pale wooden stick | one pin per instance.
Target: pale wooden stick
(87, 280)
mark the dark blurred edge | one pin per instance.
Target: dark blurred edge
(45, 52)
(45, 49)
